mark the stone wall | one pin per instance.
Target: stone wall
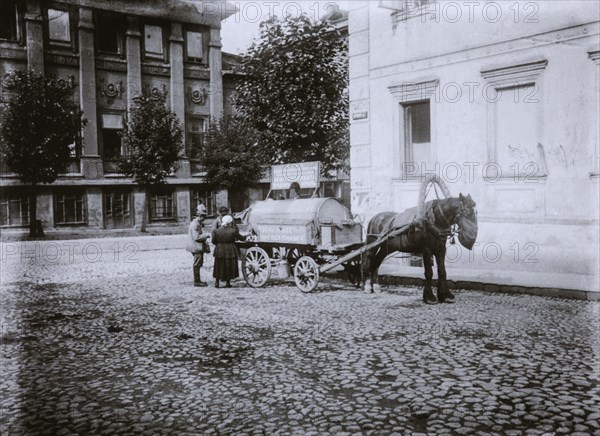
(540, 213)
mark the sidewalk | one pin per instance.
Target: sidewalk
(107, 244)
(22, 235)
(575, 286)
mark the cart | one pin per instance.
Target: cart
(304, 237)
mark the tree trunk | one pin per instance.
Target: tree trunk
(33, 212)
(145, 213)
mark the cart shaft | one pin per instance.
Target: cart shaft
(353, 254)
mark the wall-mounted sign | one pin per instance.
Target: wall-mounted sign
(360, 115)
(306, 174)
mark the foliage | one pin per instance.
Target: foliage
(231, 154)
(40, 121)
(152, 139)
(294, 91)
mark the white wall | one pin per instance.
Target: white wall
(553, 219)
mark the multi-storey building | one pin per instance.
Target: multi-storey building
(107, 52)
(500, 100)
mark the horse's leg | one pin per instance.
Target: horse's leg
(366, 272)
(428, 297)
(443, 293)
(372, 270)
(376, 263)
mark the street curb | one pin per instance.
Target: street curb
(571, 294)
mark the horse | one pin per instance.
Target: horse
(441, 219)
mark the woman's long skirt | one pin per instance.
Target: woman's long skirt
(226, 268)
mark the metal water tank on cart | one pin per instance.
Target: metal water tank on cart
(298, 233)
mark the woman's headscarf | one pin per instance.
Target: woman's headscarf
(227, 219)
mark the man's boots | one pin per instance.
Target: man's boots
(197, 280)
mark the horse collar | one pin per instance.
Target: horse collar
(448, 225)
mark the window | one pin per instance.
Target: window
(111, 136)
(402, 5)
(516, 119)
(403, 10)
(417, 134)
(515, 133)
(153, 41)
(196, 130)
(207, 197)
(414, 127)
(162, 206)
(59, 27)
(193, 42)
(9, 20)
(117, 210)
(14, 209)
(110, 33)
(70, 208)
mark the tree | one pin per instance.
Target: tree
(231, 154)
(294, 91)
(152, 140)
(40, 125)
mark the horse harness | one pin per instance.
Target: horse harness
(450, 229)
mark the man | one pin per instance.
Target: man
(294, 191)
(195, 244)
(221, 212)
(201, 208)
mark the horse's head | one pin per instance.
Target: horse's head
(467, 221)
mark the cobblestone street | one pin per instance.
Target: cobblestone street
(115, 340)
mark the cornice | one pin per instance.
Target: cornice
(521, 74)
(557, 36)
(414, 90)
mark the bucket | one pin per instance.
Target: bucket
(283, 270)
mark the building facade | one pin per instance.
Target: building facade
(107, 52)
(500, 99)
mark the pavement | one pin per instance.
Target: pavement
(113, 339)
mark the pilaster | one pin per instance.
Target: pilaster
(594, 55)
(360, 107)
(176, 55)
(216, 77)
(176, 94)
(35, 36)
(91, 165)
(134, 63)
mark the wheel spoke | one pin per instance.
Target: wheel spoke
(306, 274)
(257, 267)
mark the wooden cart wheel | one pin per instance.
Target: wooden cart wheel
(256, 267)
(293, 256)
(306, 274)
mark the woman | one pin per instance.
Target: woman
(226, 253)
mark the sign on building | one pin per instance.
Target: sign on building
(306, 174)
